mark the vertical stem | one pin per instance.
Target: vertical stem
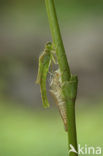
(57, 40)
(65, 71)
(72, 136)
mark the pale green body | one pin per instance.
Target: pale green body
(44, 63)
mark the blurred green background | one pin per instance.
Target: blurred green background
(26, 129)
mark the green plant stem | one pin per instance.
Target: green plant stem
(57, 40)
(65, 70)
